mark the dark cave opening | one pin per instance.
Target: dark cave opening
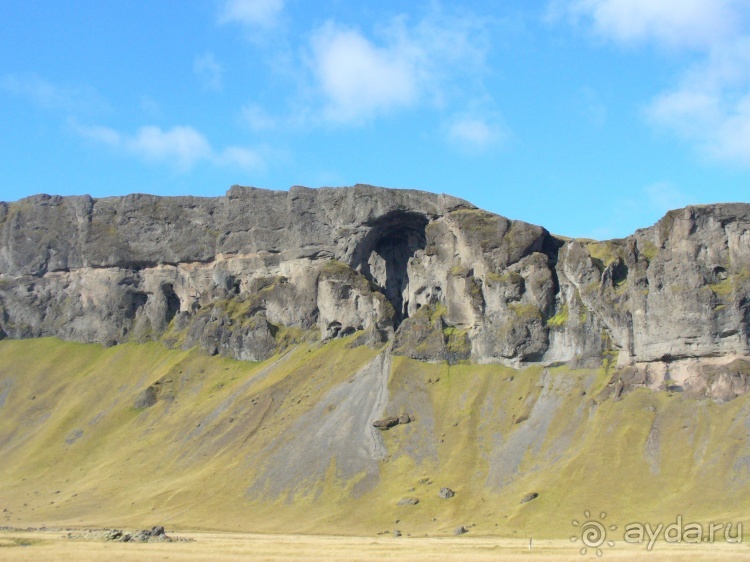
(132, 302)
(383, 256)
(173, 302)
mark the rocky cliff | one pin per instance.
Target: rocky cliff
(249, 274)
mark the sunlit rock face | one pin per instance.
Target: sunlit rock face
(251, 273)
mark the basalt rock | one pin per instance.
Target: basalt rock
(251, 273)
(530, 496)
(446, 493)
(146, 398)
(408, 501)
(385, 423)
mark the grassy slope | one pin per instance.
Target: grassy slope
(490, 433)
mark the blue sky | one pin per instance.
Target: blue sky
(589, 117)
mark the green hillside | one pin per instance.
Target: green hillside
(287, 445)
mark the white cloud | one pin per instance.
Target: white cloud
(350, 76)
(687, 111)
(181, 147)
(732, 139)
(402, 66)
(254, 13)
(673, 23)
(53, 96)
(208, 71)
(103, 135)
(360, 79)
(241, 157)
(475, 133)
(711, 105)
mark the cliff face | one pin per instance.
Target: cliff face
(250, 274)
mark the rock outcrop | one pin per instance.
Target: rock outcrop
(251, 273)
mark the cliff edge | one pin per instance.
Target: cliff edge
(252, 273)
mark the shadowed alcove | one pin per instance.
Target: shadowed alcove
(383, 255)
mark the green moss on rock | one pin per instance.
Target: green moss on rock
(559, 319)
(648, 250)
(525, 311)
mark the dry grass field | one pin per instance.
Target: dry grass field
(53, 546)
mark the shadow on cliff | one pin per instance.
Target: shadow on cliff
(383, 256)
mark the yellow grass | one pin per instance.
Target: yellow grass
(52, 546)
